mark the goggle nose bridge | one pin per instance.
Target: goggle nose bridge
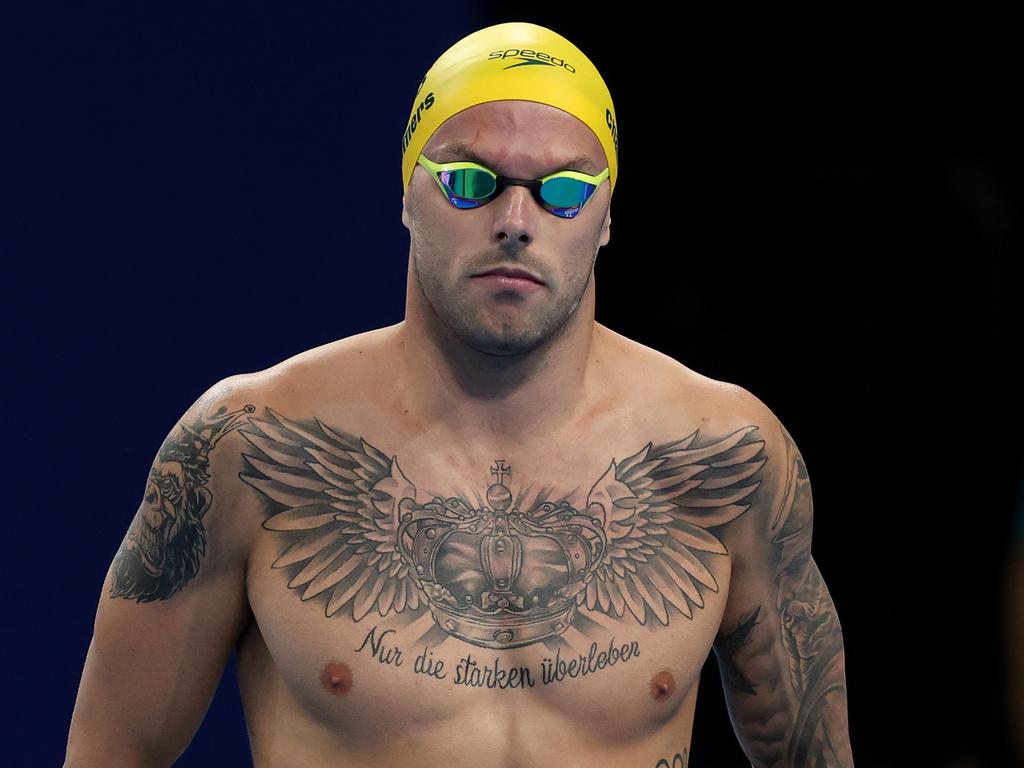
(533, 185)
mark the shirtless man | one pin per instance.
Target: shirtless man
(494, 534)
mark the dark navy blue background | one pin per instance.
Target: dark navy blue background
(827, 215)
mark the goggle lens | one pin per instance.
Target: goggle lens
(469, 184)
(565, 192)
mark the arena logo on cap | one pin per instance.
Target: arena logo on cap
(532, 57)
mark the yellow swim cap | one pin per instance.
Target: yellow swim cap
(514, 60)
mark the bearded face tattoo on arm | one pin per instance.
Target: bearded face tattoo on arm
(166, 541)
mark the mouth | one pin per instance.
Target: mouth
(512, 273)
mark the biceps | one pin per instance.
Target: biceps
(782, 663)
(152, 669)
(173, 602)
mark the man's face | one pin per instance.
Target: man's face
(523, 140)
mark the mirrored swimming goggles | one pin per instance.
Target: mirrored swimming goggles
(471, 185)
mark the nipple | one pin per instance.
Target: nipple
(662, 685)
(336, 678)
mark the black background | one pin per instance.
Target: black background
(825, 211)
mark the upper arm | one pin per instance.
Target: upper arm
(173, 602)
(780, 645)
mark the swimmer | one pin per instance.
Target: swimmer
(496, 533)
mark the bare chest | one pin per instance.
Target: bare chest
(400, 588)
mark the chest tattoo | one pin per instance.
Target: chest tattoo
(500, 566)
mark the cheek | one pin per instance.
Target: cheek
(582, 251)
(434, 242)
(436, 261)
(432, 217)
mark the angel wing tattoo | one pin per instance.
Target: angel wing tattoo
(499, 573)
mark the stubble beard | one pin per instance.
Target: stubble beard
(501, 325)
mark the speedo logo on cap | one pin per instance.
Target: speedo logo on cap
(531, 57)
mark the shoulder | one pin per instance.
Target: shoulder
(203, 455)
(293, 385)
(221, 420)
(328, 371)
(780, 501)
(713, 405)
(712, 412)
(731, 409)
(752, 464)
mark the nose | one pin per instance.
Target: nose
(515, 215)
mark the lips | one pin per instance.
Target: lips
(511, 272)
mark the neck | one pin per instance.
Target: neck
(490, 398)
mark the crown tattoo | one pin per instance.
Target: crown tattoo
(496, 576)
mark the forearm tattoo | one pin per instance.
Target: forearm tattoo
(805, 623)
